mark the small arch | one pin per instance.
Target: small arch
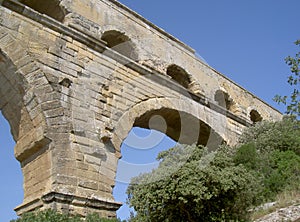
(224, 100)
(255, 116)
(179, 75)
(51, 8)
(121, 43)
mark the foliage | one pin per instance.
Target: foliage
(95, 218)
(47, 215)
(248, 156)
(192, 184)
(283, 172)
(53, 216)
(293, 102)
(272, 150)
(276, 170)
(269, 136)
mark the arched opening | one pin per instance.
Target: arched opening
(139, 152)
(121, 43)
(154, 131)
(11, 94)
(180, 126)
(11, 191)
(51, 8)
(21, 107)
(255, 116)
(179, 75)
(223, 99)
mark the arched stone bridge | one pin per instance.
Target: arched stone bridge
(77, 75)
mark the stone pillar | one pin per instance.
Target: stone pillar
(66, 165)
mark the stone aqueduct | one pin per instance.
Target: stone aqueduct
(77, 75)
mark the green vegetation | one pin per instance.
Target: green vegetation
(53, 216)
(269, 136)
(192, 184)
(272, 151)
(293, 101)
(205, 185)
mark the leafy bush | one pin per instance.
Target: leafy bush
(95, 218)
(283, 173)
(53, 216)
(272, 151)
(269, 136)
(248, 156)
(192, 184)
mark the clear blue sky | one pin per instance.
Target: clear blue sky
(246, 40)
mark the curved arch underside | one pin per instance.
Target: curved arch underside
(180, 126)
(11, 94)
(51, 8)
(121, 43)
(176, 118)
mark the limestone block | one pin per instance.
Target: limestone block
(88, 184)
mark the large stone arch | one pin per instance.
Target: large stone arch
(11, 94)
(194, 121)
(24, 102)
(20, 106)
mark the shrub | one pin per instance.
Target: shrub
(284, 173)
(269, 136)
(248, 156)
(192, 184)
(272, 151)
(53, 216)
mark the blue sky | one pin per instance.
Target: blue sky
(246, 40)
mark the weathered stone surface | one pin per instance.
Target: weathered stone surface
(290, 213)
(75, 80)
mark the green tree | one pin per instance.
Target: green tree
(192, 184)
(269, 136)
(272, 151)
(293, 101)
